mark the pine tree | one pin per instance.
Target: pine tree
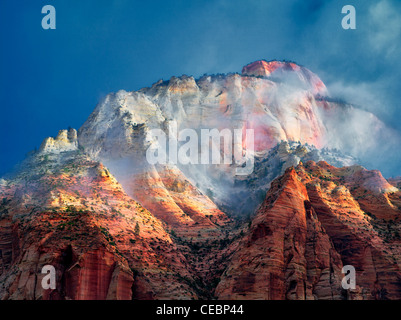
(137, 229)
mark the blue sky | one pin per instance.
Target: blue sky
(52, 79)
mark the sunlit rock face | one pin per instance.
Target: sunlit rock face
(279, 101)
(315, 219)
(289, 71)
(68, 211)
(117, 132)
(277, 258)
(275, 111)
(66, 140)
(269, 102)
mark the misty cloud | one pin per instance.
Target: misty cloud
(385, 28)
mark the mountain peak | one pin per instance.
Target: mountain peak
(266, 68)
(286, 70)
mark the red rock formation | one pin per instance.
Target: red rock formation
(96, 276)
(277, 68)
(350, 220)
(103, 244)
(286, 254)
(313, 222)
(169, 195)
(266, 68)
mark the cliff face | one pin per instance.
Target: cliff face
(102, 243)
(116, 226)
(315, 219)
(286, 254)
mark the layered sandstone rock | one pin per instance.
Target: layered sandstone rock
(288, 71)
(103, 244)
(286, 254)
(66, 140)
(315, 219)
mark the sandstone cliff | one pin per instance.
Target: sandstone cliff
(315, 219)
